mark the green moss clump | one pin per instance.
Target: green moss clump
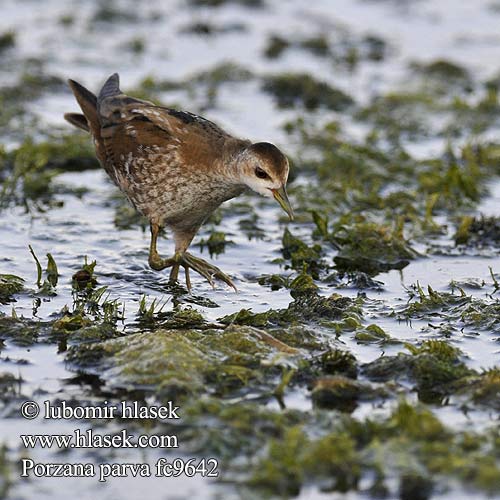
(22, 331)
(300, 254)
(432, 301)
(275, 46)
(371, 248)
(337, 392)
(334, 362)
(108, 12)
(486, 390)
(7, 40)
(478, 231)
(9, 286)
(441, 69)
(372, 333)
(184, 362)
(296, 89)
(219, 3)
(215, 243)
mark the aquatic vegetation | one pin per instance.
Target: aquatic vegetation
(28, 171)
(218, 3)
(22, 331)
(301, 255)
(84, 278)
(412, 440)
(478, 231)
(448, 73)
(215, 243)
(301, 89)
(182, 362)
(371, 248)
(211, 29)
(5, 472)
(7, 40)
(9, 286)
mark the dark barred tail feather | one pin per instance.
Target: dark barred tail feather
(110, 88)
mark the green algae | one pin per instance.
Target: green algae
(9, 286)
(300, 89)
(448, 73)
(215, 243)
(185, 361)
(435, 367)
(7, 40)
(334, 311)
(317, 45)
(219, 3)
(22, 331)
(302, 255)
(210, 29)
(478, 231)
(411, 445)
(341, 393)
(371, 248)
(6, 473)
(32, 167)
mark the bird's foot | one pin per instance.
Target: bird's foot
(188, 261)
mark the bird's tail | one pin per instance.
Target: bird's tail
(88, 102)
(110, 88)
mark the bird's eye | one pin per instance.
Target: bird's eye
(261, 174)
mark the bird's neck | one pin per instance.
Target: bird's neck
(229, 165)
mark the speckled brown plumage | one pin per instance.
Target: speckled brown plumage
(174, 167)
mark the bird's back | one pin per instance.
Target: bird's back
(165, 161)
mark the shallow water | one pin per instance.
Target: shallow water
(466, 32)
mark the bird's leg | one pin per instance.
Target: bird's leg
(184, 259)
(155, 261)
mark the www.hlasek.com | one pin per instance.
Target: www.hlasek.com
(207, 467)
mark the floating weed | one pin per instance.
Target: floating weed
(438, 348)
(47, 287)
(297, 89)
(274, 281)
(486, 390)
(478, 232)
(410, 445)
(33, 166)
(215, 243)
(300, 254)
(373, 334)
(432, 302)
(9, 286)
(84, 278)
(335, 312)
(185, 361)
(340, 393)
(371, 248)
(22, 331)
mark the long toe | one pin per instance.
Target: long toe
(208, 271)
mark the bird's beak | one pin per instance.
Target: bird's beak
(282, 198)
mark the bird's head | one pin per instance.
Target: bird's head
(264, 169)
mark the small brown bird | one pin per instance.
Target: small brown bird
(175, 167)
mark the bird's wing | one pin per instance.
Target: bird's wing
(129, 125)
(126, 128)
